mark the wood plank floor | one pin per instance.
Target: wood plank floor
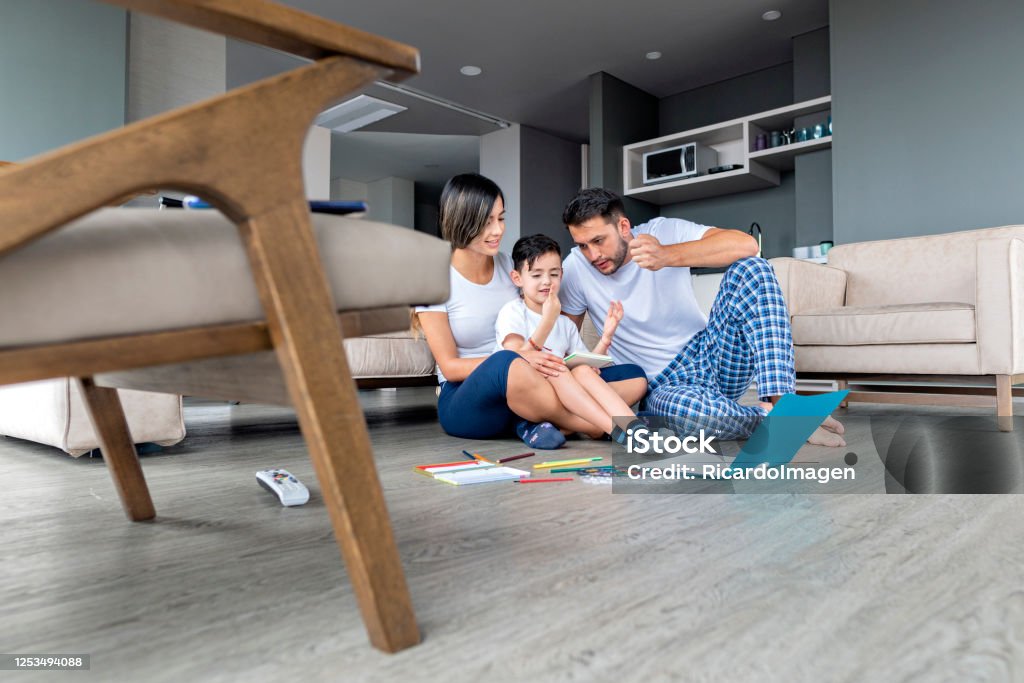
(560, 582)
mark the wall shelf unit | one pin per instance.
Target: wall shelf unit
(734, 141)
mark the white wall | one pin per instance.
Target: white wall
(343, 188)
(501, 161)
(316, 163)
(392, 200)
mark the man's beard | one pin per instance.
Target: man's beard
(618, 258)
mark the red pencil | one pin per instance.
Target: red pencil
(542, 481)
(514, 457)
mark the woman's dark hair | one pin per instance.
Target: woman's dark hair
(529, 249)
(466, 202)
(590, 202)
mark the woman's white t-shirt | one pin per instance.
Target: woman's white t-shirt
(472, 309)
(516, 318)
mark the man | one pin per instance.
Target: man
(698, 367)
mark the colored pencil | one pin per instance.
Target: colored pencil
(477, 456)
(559, 463)
(514, 457)
(446, 464)
(542, 481)
(577, 468)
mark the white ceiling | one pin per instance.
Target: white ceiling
(536, 55)
(426, 159)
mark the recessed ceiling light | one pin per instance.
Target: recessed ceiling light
(653, 55)
(471, 71)
(771, 15)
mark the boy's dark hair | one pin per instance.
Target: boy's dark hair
(466, 202)
(529, 249)
(590, 202)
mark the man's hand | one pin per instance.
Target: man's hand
(551, 307)
(648, 252)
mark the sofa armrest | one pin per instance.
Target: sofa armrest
(999, 307)
(807, 286)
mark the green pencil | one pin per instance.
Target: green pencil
(583, 467)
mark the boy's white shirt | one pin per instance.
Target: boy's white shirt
(515, 318)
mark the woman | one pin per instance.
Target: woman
(486, 395)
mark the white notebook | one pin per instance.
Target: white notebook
(594, 360)
(481, 476)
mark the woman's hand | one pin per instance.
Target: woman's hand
(547, 364)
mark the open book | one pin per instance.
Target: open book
(594, 360)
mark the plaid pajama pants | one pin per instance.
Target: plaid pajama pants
(747, 338)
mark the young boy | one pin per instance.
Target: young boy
(534, 321)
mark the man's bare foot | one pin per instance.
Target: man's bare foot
(828, 434)
(833, 425)
(823, 437)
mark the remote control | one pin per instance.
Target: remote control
(282, 483)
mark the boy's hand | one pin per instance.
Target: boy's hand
(552, 307)
(611, 323)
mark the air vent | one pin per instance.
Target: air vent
(356, 113)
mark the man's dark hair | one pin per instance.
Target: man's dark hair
(529, 249)
(590, 202)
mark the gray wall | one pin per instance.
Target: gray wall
(813, 219)
(62, 73)
(171, 65)
(550, 178)
(729, 99)
(927, 105)
(619, 115)
(773, 208)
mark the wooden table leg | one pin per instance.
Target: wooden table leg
(307, 337)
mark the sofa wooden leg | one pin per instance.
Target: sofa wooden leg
(307, 337)
(107, 416)
(1004, 402)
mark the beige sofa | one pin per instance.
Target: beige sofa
(52, 412)
(936, 319)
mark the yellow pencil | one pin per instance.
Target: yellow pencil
(559, 463)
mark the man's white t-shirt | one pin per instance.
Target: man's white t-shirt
(516, 318)
(472, 309)
(660, 312)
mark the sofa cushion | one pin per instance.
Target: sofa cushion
(931, 323)
(129, 271)
(903, 271)
(396, 354)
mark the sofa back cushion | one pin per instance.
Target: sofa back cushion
(914, 269)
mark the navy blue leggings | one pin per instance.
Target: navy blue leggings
(477, 408)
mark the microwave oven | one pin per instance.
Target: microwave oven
(684, 161)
